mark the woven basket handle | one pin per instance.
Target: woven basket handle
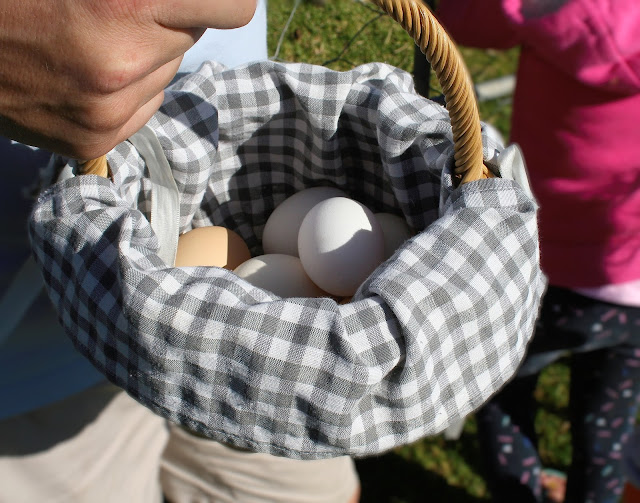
(97, 166)
(448, 65)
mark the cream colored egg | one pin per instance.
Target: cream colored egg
(212, 246)
(340, 244)
(280, 233)
(280, 274)
(395, 231)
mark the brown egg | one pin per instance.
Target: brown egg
(211, 246)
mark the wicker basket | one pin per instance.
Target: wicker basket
(431, 335)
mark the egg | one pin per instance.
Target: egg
(395, 231)
(340, 243)
(280, 274)
(211, 246)
(280, 233)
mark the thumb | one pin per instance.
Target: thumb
(185, 14)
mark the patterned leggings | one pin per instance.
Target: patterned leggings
(603, 341)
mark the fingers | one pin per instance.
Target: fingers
(125, 112)
(103, 143)
(101, 122)
(94, 71)
(110, 69)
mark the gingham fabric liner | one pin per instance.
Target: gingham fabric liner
(431, 334)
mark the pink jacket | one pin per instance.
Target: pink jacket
(576, 115)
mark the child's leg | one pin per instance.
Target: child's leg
(631, 494)
(196, 469)
(508, 442)
(97, 446)
(605, 388)
(631, 467)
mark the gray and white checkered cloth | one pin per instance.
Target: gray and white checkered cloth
(429, 337)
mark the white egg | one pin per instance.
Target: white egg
(280, 233)
(395, 231)
(340, 244)
(280, 274)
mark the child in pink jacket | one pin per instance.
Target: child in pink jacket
(576, 116)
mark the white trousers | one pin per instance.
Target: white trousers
(198, 470)
(99, 446)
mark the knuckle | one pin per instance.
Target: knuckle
(111, 76)
(89, 151)
(105, 116)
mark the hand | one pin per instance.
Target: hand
(77, 77)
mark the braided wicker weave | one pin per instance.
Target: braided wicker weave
(451, 72)
(97, 166)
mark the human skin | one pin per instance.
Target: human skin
(77, 77)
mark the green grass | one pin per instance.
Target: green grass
(342, 34)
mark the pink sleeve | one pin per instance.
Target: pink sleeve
(594, 42)
(477, 23)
